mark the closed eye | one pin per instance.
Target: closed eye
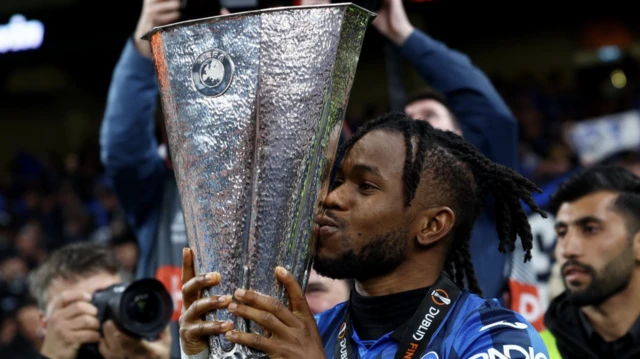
(367, 187)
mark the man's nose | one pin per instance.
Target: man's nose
(571, 245)
(334, 199)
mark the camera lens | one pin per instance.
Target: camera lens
(144, 307)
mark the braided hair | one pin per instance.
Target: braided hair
(463, 177)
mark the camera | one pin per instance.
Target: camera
(140, 309)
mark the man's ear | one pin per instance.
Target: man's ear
(433, 224)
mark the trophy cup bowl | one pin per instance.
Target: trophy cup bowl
(253, 105)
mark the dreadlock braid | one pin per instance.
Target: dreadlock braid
(506, 186)
(449, 270)
(463, 177)
(458, 264)
(465, 253)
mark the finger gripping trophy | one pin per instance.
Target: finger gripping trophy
(253, 104)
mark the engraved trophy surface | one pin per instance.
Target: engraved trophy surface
(253, 105)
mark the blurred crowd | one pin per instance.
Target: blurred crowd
(46, 203)
(546, 110)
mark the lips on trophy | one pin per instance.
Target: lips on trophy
(253, 105)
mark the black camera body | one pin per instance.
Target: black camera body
(140, 309)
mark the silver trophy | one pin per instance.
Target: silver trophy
(253, 105)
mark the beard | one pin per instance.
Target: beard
(379, 256)
(611, 280)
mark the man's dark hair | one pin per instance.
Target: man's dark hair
(71, 262)
(463, 177)
(603, 179)
(429, 93)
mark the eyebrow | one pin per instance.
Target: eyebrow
(360, 167)
(580, 221)
(316, 286)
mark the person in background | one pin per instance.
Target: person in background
(324, 293)
(142, 178)
(461, 99)
(63, 287)
(598, 251)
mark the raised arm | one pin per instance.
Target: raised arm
(485, 119)
(129, 149)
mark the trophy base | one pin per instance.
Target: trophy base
(238, 354)
(235, 351)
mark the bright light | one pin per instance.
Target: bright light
(609, 53)
(618, 79)
(20, 34)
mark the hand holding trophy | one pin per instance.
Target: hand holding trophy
(292, 332)
(253, 105)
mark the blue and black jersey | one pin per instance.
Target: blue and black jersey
(474, 328)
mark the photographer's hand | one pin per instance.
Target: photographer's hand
(194, 331)
(154, 13)
(117, 345)
(293, 331)
(70, 322)
(393, 23)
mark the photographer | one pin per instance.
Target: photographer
(63, 287)
(143, 180)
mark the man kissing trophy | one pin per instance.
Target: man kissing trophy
(253, 104)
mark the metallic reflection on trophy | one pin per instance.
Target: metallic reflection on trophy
(253, 104)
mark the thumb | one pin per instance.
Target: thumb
(188, 269)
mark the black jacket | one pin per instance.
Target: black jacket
(576, 339)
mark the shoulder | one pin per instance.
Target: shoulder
(486, 330)
(330, 318)
(329, 323)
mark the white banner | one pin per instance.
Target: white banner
(596, 139)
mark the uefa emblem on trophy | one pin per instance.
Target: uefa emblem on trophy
(253, 105)
(213, 72)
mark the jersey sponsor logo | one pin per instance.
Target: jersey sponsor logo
(440, 297)
(510, 351)
(516, 325)
(430, 355)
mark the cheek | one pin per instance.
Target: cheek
(557, 252)
(373, 219)
(316, 303)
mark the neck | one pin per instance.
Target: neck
(614, 318)
(412, 274)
